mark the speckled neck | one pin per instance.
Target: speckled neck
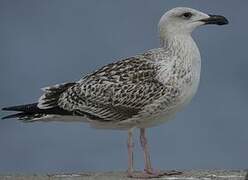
(185, 59)
(178, 43)
(182, 46)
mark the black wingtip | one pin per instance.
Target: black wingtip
(11, 108)
(5, 109)
(12, 116)
(25, 108)
(5, 117)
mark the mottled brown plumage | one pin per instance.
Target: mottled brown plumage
(117, 91)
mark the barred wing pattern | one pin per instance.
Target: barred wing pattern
(115, 92)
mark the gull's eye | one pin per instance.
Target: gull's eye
(187, 15)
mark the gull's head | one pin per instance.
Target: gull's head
(182, 20)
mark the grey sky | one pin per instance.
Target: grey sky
(48, 42)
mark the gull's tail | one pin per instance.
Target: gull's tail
(31, 112)
(47, 105)
(26, 111)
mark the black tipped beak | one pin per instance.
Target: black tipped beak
(215, 19)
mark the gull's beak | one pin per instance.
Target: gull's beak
(215, 19)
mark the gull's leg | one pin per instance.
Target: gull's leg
(144, 145)
(150, 172)
(130, 146)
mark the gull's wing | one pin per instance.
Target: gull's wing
(115, 92)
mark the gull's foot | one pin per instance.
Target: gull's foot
(152, 174)
(172, 173)
(162, 173)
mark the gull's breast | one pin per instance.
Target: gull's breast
(186, 80)
(190, 82)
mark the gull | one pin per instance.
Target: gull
(141, 91)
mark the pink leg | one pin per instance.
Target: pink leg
(144, 145)
(130, 146)
(150, 172)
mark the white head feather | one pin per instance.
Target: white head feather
(180, 20)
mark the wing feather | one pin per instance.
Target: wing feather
(117, 91)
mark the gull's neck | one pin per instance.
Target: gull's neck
(184, 55)
(181, 46)
(178, 42)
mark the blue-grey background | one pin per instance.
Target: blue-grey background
(47, 42)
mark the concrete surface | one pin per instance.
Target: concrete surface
(187, 175)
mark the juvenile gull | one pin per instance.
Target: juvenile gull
(137, 92)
